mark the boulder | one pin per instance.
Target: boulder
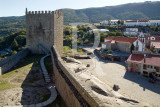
(115, 87)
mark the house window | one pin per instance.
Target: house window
(144, 66)
(131, 64)
(152, 38)
(144, 72)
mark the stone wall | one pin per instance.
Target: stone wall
(110, 56)
(44, 28)
(123, 47)
(72, 92)
(9, 62)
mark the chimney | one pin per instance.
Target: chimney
(144, 58)
(26, 11)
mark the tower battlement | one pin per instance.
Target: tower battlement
(57, 12)
(44, 28)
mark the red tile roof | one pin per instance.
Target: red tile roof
(106, 42)
(137, 21)
(136, 58)
(150, 59)
(122, 39)
(142, 20)
(156, 37)
(132, 21)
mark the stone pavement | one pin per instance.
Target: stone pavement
(53, 96)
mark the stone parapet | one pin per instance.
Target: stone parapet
(11, 61)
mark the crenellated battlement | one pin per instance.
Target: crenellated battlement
(57, 12)
(44, 27)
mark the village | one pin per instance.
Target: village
(131, 62)
(144, 48)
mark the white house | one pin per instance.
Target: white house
(131, 31)
(105, 22)
(143, 22)
(154, 22)
(136, 22)
(124, 43)
(113, 22)
(99, 30)
(139, 45)
(131, 22)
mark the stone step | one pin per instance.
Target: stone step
(47, 80)
(46, 77)
(45, 73)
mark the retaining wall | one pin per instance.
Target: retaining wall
(9, 62)
(72, 91)
(110, 56)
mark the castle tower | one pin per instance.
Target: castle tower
(44, 28)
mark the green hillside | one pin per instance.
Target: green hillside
(127, 11)
(10, 25)
(146, 10)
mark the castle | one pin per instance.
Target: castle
(44, 29)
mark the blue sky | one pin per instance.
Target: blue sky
(17, 7)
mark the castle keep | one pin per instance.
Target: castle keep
(44, 29)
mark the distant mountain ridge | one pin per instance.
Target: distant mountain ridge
(132, 11)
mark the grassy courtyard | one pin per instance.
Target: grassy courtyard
(17, 75)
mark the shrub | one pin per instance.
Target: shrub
(109, 51)
(86, 41)
(80, 50)
(14, 52)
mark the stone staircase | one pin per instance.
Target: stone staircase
(44, 49)
(45, 73)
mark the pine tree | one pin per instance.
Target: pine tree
(14, 45)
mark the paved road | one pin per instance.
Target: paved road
(131, 85)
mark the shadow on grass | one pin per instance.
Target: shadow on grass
(33, 86)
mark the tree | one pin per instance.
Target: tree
(109, 22)
(102, 36)
(154, 50)
(122, 22)
(67, 30)
(119, 22)
(109, 51)
(14, 45)
(132, 48)
(14, 52)
(86, 41)
(119, 34)
(111, 33)
(21, 39)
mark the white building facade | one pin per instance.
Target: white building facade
(154, 22)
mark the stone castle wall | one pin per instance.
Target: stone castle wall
(45, 28)
(71, 90)
(123, 47)
(11, 61)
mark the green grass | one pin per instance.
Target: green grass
(5, 85)
(21, 70)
